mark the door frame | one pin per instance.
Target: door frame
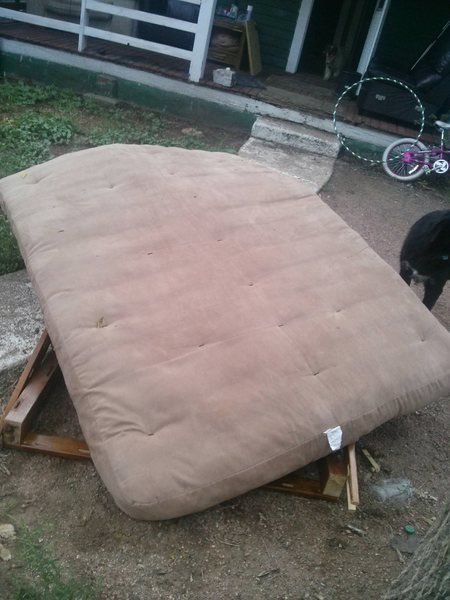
(370, 45)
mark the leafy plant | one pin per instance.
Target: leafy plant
(15, 94)
(26, 140)
(43, 127)
(44, 578)
(121, 135)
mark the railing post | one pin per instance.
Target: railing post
(201, 42)
(373, 35)
(83, 22)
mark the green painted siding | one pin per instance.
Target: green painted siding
(276, 23)
(411, 25)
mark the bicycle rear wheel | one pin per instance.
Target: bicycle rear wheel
(405, 159)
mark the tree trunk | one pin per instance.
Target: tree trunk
(427, 575)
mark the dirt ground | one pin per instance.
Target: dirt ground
(263, 545)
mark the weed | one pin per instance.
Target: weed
(121, 135)
(26, 140)
(10, 258)
(14, 94)
(42, 127)
(43, 577)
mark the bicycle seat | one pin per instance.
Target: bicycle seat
(442, 125)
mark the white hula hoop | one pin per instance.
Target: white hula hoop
(342, 139)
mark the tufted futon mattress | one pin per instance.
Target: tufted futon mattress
(217, 325)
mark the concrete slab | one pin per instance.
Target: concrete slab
(21, 320)
(295, 135)
(314, 170)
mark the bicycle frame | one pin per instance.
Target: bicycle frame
(428, 157)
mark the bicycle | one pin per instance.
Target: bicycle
(407, 159)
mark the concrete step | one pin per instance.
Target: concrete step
(314, 170)
(294, 135)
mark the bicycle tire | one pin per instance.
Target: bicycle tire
(399, 169)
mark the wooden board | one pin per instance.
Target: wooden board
(329, 486)
(254, 53)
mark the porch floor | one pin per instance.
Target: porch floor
(299, 91)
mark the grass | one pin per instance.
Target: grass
(10, 258)
(39, 122)
(41, 576)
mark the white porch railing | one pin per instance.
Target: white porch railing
(201, 29)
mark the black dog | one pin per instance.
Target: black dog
(425, 254)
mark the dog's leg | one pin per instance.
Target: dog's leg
(433, 289)
(406, 272)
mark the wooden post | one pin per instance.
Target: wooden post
(201, 41)
(373, 35)
(34, 360)
(17, 422)
(352, 481)
(84, 21)
(299, 35)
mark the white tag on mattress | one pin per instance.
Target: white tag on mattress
(334, 436)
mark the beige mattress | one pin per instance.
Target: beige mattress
(217, 325)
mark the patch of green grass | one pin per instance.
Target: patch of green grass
(10, 258)
(17, 94)
(26, 139)
(125, 134)
(42, 576)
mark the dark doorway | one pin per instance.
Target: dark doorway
(344, 23)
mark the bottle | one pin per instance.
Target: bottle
(249, 12)
(233, 12)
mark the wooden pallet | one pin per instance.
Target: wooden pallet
(336, 471)
(23, 406)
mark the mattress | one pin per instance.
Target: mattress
(217, 325)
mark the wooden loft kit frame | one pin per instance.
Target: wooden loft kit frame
(336, 471)
(26, 399)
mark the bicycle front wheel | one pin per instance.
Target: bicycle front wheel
(405, 159)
